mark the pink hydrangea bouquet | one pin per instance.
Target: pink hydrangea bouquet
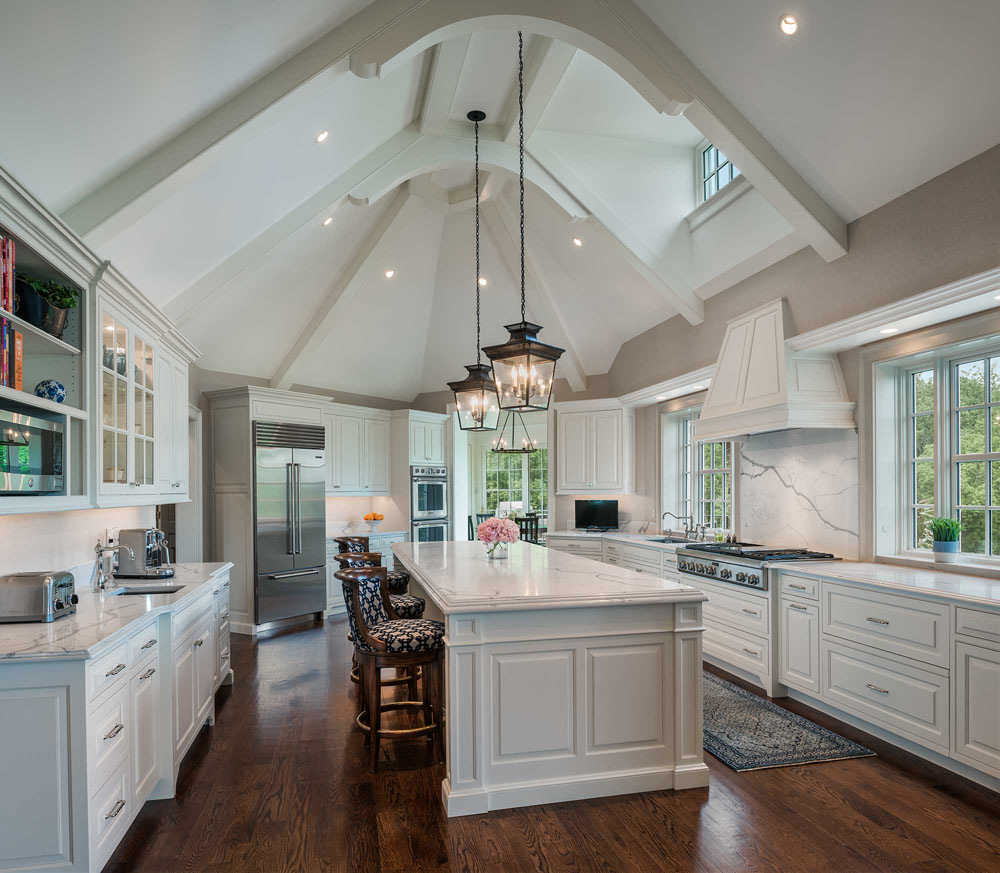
(495, 533)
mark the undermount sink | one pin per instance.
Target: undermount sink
(671, 540)
(145, 588)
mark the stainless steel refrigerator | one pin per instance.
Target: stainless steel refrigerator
(289, 520)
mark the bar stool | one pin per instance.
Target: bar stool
(351, 544)
(381, 640)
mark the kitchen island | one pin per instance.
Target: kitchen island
(566, 678)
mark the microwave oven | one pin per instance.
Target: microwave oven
(31, 454)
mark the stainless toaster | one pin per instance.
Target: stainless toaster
(37, 596)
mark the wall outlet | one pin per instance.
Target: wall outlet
(111, 536)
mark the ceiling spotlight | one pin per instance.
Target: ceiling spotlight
(577, 241)
(327, 220)
(997, 297)
(482, 281)
(697, 387)
(662, 397)
(789, 25)
(889, 330)
(320, 137)
(390, 273)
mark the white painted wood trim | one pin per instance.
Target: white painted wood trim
(717, 202)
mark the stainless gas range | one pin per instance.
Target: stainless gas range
(738, 563)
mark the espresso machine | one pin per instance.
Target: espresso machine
(144, 554)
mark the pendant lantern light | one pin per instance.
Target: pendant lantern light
(476, 402)
(503, 445)
(524, 367)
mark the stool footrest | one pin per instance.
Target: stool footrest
(390, 733)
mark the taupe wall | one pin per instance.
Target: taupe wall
(944, 230)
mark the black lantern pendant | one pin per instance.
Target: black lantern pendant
(476, 402)
(524, 367)
(504, 446)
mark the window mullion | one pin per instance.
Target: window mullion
(944, 422)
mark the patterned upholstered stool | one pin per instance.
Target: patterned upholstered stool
(382, 639)
(351, 544)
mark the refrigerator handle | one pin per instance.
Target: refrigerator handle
(297, 469)
(290, 509)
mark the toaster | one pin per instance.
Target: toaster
(37, 596)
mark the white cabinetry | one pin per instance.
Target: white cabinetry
(426, 440)
(594, 451)
(798, 631)
(377, 455)
(145, 690)
(172, 427)
(195, 666)
(977, 705)
(357, 448)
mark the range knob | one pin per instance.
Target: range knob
(754, 579)
(682, 565)
(710, 571)
(725, 574)
(741, 577)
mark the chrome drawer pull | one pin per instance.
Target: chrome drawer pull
(149, 645)
(876, 688)
(216, 592)
(118, 808)
(148, 673)
(751, 652)
(117, 729)
(876, 620)
(199, 642)
(797, 587)
(797, 606)
(115, 671)
(225, 614)
(750, 611)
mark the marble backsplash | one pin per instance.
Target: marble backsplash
(800, 488)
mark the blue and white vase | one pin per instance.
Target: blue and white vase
(52, 390)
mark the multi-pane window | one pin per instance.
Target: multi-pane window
(687, 489)
(716, 171)
(538, 480)
(716, 485)
(920, 441)
(517, 482)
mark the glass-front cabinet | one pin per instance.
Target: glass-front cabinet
(128, 404)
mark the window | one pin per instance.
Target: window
(705, 478)
(715, 171)
(954, 464)
(517, 482)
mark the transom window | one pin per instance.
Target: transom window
(716, 171)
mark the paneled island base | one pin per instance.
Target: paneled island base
(566, 678)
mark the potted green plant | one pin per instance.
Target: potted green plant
(44, 302)
(946, 533)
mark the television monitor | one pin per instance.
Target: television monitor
(597, 513)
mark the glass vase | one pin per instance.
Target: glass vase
(496, 551)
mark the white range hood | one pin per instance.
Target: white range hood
(760, 385)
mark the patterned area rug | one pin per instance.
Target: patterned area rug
(747, 732)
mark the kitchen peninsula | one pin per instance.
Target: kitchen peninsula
(566, 678)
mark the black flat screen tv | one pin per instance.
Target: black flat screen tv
(597, 513)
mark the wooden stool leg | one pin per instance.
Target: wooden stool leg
(437, 682)
(365, 670)
(361, 690)
(374, 713)
(426, 680)
(411, 672)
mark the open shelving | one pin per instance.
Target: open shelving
(38, 341)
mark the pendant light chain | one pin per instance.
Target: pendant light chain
(520, 124)
(479, 357)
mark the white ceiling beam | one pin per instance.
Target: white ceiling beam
(131, 194)
(446, 70)
(542, 74)
(504, 227)
(672, 286)
(430, 153)
(324, 202)
(369, 255)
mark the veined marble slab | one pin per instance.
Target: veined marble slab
(460, 578)
(949, 586)
(101, 619)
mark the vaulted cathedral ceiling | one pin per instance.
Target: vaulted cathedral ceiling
(197, 171)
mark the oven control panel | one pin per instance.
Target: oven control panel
(735, 574)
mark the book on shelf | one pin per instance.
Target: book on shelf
(11, 356)
(6, 273)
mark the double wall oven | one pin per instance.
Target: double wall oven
(429, 504)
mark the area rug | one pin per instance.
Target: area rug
(747, 732)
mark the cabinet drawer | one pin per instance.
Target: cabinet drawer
(734, 647)
(900, 697)
(108, 737)
(581, 546)
(977, 623)
(640, 568)
(613, 549)
(110, 812)
(749, 613)
(144, 643)
(614, 561)
(799, 586)
(224, 618)
(904, 625)
(648, 557)
(189, 616)
(106, 671)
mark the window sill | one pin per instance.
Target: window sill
(717, 202)
(967, 567)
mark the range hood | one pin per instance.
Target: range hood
(760, 385)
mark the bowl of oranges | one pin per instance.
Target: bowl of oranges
(374, 519)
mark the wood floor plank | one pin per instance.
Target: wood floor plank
(280, 784)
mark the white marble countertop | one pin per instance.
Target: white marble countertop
(459, 578)
(101, 620)
(937, 583)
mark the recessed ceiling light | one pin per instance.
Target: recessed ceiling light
(789, 25)
(889, 330)
(327, 220)
(390, 273)
(482, 281)
(997, 297)
(577, 241)
(322, 135)
(662, 397)
(697, 387)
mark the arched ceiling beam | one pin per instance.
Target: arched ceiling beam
(504, 227)
(621, 35)
(346, 287)
(446, 70)
(430, 153)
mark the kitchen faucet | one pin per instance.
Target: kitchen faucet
(688, 528)
(102, 550)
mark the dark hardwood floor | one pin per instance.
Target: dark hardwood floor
(281, 784)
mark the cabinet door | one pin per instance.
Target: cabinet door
(418, 442)
(184, 697)
(435, 443)
(573, 462)
(376, 455)
(799, 631)
(146, 731)
(977, 705)
(145, 399)
(348, 436)
(607, 450)
(166, 434)
(116, 470)
(180, 428)
(332, 467)
(206, 668)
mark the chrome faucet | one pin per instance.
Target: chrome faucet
(103, 576)
(688, 520)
